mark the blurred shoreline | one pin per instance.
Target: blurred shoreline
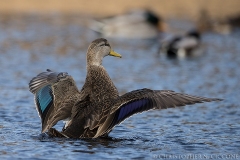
(187, 9)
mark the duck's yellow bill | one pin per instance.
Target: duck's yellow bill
(115, 54)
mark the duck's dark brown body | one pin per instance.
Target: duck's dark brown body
(97, 108)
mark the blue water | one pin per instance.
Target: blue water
(32, 44)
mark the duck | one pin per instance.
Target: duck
(181, 46)
(224, 26)
(97, 108)
(134, 24)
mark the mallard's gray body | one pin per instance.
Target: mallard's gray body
(97, 108)
(135, 24)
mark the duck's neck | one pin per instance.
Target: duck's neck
(96, 72)
(100, 80)
(94, 59)
(94, 63)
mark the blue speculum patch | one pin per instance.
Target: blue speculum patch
(131, 108)
(44, 98)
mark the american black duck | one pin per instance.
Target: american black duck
(97, 108)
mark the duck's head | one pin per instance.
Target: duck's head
(98, 49)
(155, 20)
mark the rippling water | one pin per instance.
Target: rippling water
(31, 44)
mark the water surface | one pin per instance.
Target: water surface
(31, 44)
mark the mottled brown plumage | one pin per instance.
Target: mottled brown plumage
(96, 109)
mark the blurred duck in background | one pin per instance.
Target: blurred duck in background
(181, 46)
(206, 23)
(234, 21)
(228, 25)
(135, 24)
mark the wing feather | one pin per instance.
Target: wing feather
(55, 94)
(44, 101)
(145, 99)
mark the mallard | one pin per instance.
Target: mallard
(135, 24)
(227, 25)
(182, 46)
(97, 108)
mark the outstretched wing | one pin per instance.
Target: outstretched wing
(55, 94)
(145, 99)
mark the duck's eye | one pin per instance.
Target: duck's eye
(105, 44)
